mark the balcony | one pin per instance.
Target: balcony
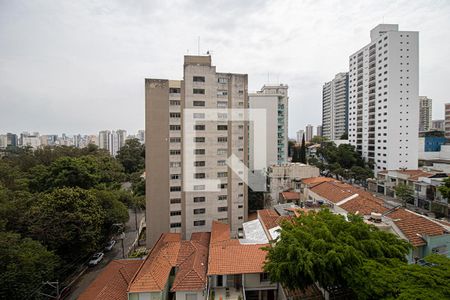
(227, 293)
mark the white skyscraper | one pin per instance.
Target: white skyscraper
(383, 98)
(274, 99)
(335, 107)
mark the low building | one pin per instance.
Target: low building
(424, 183)
(425, 234)
(287, 177)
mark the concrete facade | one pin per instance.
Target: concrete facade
(274, 99)
(175, 202)
(383, 98)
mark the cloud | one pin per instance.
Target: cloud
(79, 66)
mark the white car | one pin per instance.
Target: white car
(96, 258)
(110, 245)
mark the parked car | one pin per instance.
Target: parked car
(110, 245)
(96, 258)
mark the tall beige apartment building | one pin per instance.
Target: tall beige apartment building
(183, 161)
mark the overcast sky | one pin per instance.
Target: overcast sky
(79, 66)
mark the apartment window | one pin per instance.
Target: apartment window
(175, 127)
(174, 90)
(222, 104)
(222, 174)
(175, 152)
(222, 208)
(222, 115)
(222, 197)
(221, 163)
(199, 223)
(198, 79)
(199, 139)
(199, 127)
(199, 187)
(199, 115)
(175, 225)
(175, 213)
(222, 151)
(199, 151)
(222, 139)
(175, 176)
(174, 102)
(175, 140)
(175, 188)
(264, 277)
(175, 200)
(199, 103)
(176, 164)
(222, 80)
(199, 211)
(199, 163)
(223, 185)
(199, 175)
(199, 91)
(174, 115)
(222, 127)
(222, 93)
(199, 199)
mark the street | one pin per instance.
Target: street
(116, 253)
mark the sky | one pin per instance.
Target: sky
(79, 66)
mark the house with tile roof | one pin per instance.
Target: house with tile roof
(424, 183)
(235, 267)
(425, 234)
(113, 281)
(173, 267)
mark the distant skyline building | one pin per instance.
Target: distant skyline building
(309, 132)
(274, 100)
(183, 160)
(447, 120)
(438, 125)
(319, 130)
(32, 140)
(425, 114)
(335, 107)
(383, 99)
(300, 134)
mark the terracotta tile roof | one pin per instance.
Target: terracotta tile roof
(315, 180)
(364, 205)
(112, 282)
(192, 264)
(229, 256)
(412, 225)
(190, 258)
(270, 218)
(413, 174)
(290, 196)
(154, 272)
(333, 191)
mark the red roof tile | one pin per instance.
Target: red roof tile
(231, 257)
(290, 196)
(412, 225)
(364, 205)
(315, 180)
(112, 282)
(270, 218)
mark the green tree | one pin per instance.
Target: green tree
(296, 154)
(132, 156)
(24, 265)
(404, 192)
(325, 248)
(445, 188)
(319, 139)
(68, 221)
(302, 153)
